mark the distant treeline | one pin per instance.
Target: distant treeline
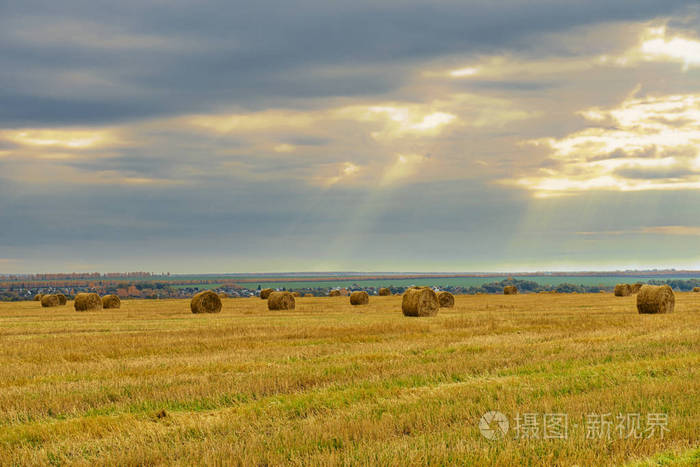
(678, 284)
(161, 289)
(525, 286)
(104, 283)
(76, 276)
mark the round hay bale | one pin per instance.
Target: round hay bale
(622, 290)
(696, 289)
(634, 288)
(334, 293)
(384, 292)
(205, 302)
(308, 295)
(111, 301)
(359, 297)
(37, 297)
(280, 301)
(265, 293)
(446, 299)
(420, 301)
(62, 300)
(223, 295)
(655, 299)
(510, 290)
(296, 294)
(50, 300)
(87, 302)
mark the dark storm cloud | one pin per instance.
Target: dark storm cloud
(29, 110)
(79, 61)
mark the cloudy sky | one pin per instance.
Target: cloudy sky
(278, 135)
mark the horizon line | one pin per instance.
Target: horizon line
(362, 273)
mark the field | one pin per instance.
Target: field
(334, 384)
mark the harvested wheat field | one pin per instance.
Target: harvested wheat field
(152, 383)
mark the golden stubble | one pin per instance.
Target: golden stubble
(329, 383)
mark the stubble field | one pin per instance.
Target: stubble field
(330, 384)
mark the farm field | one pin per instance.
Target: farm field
(329, 383)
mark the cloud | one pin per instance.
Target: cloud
(284, 148)
(62, 138)
(189, 148)
(405, 165)
(656, 44)
(683, 230)
(648, 143)
(462, 72)
(254, 121)
(289, 135)
(345, 172)
(677, 48)
(677, 172)
(146, 59)
(673, 230)
(625, 46)
(400, 120)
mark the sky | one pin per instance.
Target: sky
(284, 135)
